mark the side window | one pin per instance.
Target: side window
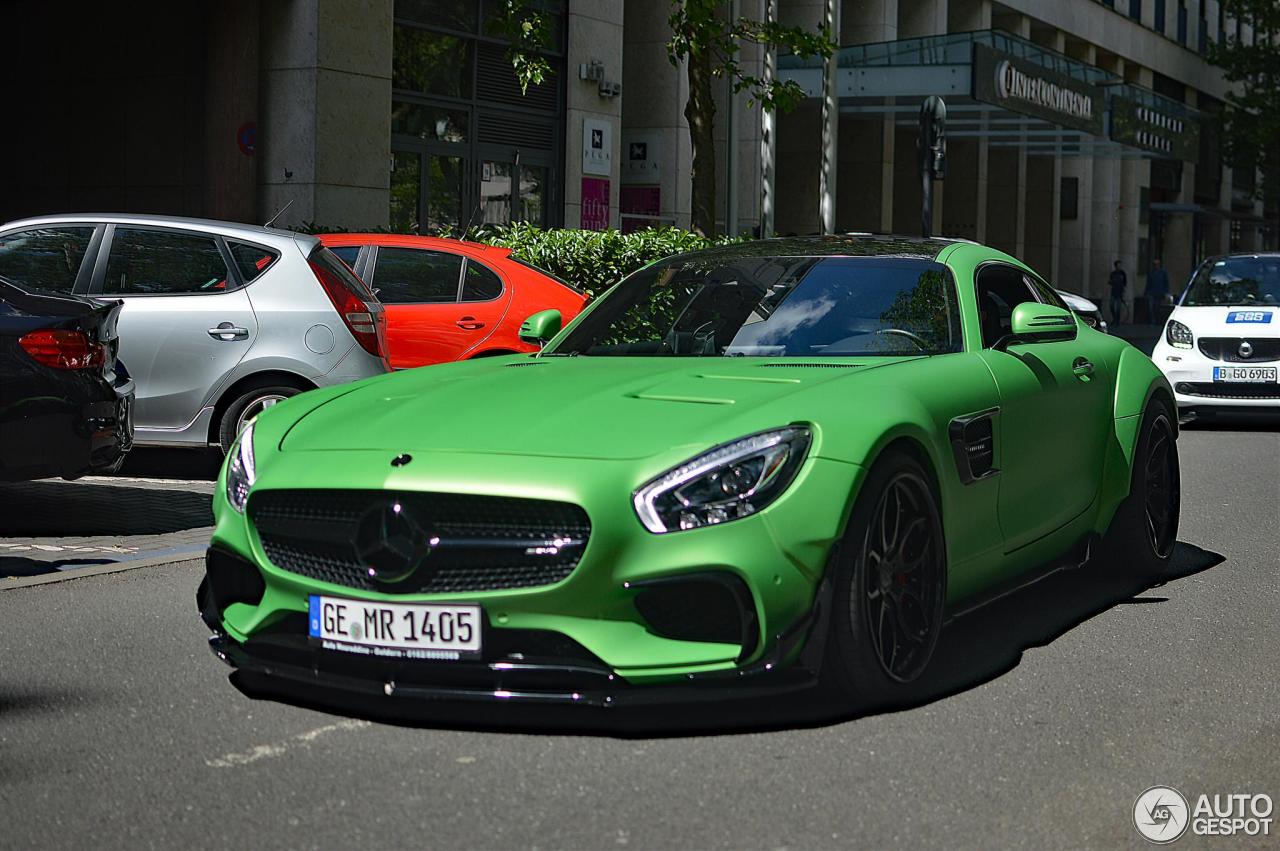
(1046, 293)
(347, 254)
(1000, 289)
(45, 258)
(414, 276)
(251, 260)
(481, 284)
(154, 262)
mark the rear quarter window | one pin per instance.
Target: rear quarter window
(251, 260)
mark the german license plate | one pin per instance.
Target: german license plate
(1247, 374)
(395, 630)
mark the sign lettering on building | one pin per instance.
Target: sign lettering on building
(1017, 84)
(1156, 130)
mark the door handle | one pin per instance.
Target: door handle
(1082, 368)
(469, 323)
(228, 332)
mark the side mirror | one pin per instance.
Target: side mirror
(1039, 323)
(540, 327)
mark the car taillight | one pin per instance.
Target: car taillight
(358, 315)
(61, 349)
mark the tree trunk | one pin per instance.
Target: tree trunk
(700, 112)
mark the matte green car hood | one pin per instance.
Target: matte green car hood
(581, 407)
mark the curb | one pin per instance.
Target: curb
(97, 570)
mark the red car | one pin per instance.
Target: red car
(447, 299)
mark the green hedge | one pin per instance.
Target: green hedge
(592, 260)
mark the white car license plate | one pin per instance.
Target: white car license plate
(395, 630)
(1248, 374)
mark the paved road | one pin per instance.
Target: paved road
(1049, 712)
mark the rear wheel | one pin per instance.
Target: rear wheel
(248, 405)
(1145, 527)
(890, 587)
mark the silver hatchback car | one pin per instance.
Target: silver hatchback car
(220, 320)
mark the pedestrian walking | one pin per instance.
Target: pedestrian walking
(1157, 287)
(1117, 280)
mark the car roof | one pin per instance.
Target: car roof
(233, 230)
(413, 240)
(836, 245)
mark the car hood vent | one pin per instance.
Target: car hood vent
(812, 365)
(528, 363)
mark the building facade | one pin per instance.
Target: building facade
(1079, 132)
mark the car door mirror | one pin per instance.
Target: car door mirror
(540, 327)
(1039, 323)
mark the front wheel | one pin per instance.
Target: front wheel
(890, 587)
(1145, 527)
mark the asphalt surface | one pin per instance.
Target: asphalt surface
(1045, 715)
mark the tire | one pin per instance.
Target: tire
(1145, 528)
(247, 405)
(885, 624)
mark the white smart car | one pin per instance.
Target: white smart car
(1221, 346)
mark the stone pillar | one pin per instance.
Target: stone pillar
(324, 134)
(595, 33)
(654, 94)
(921, 17)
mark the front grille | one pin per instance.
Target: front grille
(1228, 349)
(484, 543)
(1224, 390)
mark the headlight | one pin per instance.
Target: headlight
(240, 469)
(729, 482)
(1178, 335)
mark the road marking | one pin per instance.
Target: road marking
(257, 752)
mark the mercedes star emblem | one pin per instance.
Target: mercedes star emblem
(392, 541)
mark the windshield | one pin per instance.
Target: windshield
(1236, 281)
(774, 307)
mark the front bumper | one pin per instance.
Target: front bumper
(777, 560)
(558, 671)
(1190, 373)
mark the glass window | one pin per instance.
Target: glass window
(406, 189)
(44, 258)
(533, 187)
(159, 262)
(733, 304)
(495, 192)
(328, 262)
(431, 63)
(1237, 282)
(428, 122)
(414, 276)
(480, 283)
(1000, 289)
(347, 254)
(251, 260)
(444, 192)
(449, 14)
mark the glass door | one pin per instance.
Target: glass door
(428, 190)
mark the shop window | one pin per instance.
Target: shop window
(429, 123)
(458, 15)
(406, 188)
(431, 63)
(1069, 204)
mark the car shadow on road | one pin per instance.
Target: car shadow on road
(84, 509)
(974, 649)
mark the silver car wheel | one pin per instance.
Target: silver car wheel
(256, 406)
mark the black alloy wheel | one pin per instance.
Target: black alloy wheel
(890, 577)
(902, 573)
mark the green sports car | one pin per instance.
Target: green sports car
(755, 467)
